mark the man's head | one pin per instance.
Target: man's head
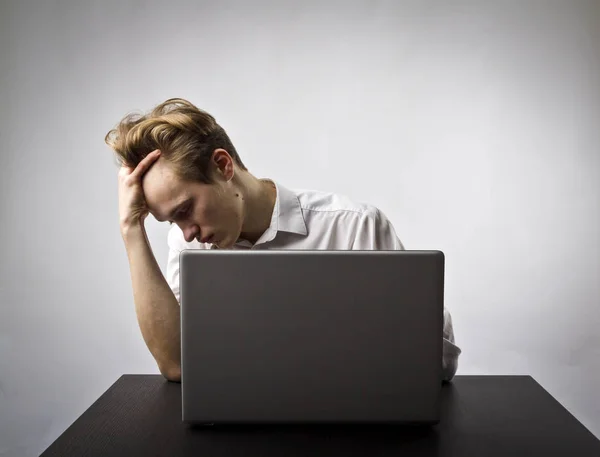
(192, 182)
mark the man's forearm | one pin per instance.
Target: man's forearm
(155, 303)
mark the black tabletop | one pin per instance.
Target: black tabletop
(140, 415)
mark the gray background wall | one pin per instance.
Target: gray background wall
(473, 125)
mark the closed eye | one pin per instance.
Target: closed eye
(180, 215)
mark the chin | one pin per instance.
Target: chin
(219, 244)
(225, 243)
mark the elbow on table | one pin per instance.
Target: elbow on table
(171, 372)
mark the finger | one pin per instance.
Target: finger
(145, 163)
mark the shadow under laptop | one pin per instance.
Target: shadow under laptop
(316, 439)
(370, 427)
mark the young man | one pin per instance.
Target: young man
(179, 165)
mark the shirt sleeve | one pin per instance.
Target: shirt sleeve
(376, 232)
(176, 244)
(172, 275)
(450, 350)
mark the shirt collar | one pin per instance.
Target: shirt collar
(287, 215)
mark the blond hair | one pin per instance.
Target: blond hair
(187, 137)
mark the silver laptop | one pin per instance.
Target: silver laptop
(311, 336)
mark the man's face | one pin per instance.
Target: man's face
(206, 212)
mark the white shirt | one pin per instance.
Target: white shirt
(308, 219)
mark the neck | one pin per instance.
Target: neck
(259, 202)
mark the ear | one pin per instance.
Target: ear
(223, 164)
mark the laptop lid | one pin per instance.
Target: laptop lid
(311, 336)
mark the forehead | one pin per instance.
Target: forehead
(163, 190)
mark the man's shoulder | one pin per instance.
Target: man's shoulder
(320, 201)
(361, 224)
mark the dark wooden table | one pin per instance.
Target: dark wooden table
(140, 415)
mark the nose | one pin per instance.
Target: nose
(189, 233)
